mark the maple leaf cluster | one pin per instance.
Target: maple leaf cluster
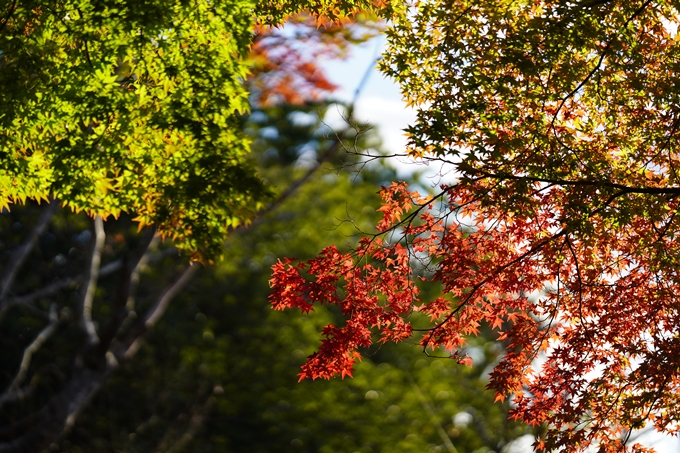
(559, 120)
(606, 363)
(376, 286)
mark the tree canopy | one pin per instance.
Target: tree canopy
(116, 107)
(136, 114)
(112, 106)
(558, 121)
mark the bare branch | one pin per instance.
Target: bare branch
(324, 157)
(55, 420)
(158, 310)
(124, 302)
(91, 281)
(18, 395)
(134, 276)
(20, 255)
(38, 430)
(155, 313)
(58, 285)
(32, 348)
(198, 415)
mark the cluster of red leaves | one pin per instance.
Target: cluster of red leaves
(376, 289)
(587, 320)
(334, 273)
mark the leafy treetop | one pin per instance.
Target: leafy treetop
(326, 12)
(115, 106)
(560, 121)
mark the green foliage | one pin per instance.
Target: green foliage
(118, 106)
(115, 107)
(327, 12)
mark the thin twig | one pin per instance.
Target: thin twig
(325, 157)
(672, 190)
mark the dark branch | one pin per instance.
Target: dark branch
(30, 351)
(20, 255)
(582, 182)
(154, 314)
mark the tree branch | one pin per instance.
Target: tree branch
(38, 430)
(106, 270)
(158, 310)
(582, 182)
(9, 16)
(32, 348)
(325, 157)
(20, 255)
(91, 282)
(20, 394)
(198, 415)
(592, 72)
(533, 250)
(125, 298)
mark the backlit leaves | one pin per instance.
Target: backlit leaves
(112, 106)
(560, 120)
(115, 106)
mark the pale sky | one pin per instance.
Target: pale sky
(380, 101)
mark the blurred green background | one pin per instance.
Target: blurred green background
(219, 372)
